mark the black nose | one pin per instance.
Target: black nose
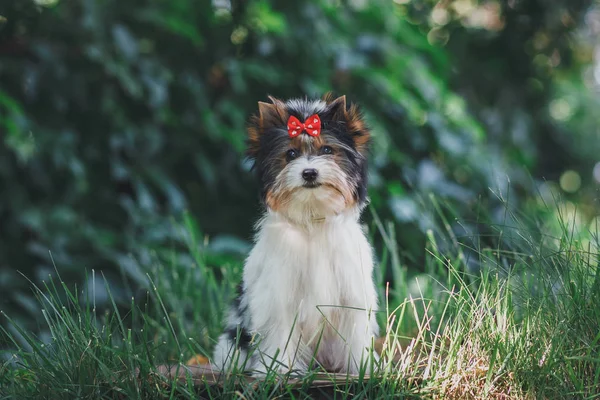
(310, 174)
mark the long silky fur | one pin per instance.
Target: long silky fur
(307, 294)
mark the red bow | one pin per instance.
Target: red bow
(312, 126)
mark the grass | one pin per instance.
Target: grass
(524, 324)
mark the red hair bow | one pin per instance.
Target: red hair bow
(312, 126)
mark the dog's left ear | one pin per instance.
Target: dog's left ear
(337, 111)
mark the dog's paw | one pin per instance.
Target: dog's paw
(262, 370)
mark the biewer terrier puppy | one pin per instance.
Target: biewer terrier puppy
(307, 295)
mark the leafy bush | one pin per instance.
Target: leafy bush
(117, 117)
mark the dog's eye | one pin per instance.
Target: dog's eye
(327, 150)
(291, 155)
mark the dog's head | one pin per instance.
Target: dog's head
(308, 173)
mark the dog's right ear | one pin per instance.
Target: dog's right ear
(270, 115)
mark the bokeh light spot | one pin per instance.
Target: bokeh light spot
(440, 16)
(570, 181)
(46, 3)
(438, 36)
(239, 34)
(561, 110)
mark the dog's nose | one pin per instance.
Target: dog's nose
(310, 174)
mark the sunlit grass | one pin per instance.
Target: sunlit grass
(527, 325)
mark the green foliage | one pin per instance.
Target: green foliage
(118, 116)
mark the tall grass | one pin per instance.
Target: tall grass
(524, 324)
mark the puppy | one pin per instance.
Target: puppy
(307, 297)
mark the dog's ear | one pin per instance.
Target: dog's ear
(352, 118)
(336, 109)
(270, 115)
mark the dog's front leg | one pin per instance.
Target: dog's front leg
(281, 351)
(358, 338)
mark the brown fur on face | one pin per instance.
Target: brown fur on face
(277, 201)
(342, 129)
(307, 144)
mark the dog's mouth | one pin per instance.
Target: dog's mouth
(311, 185)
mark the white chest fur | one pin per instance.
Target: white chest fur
(309, 284)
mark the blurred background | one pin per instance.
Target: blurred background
(121, 121)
